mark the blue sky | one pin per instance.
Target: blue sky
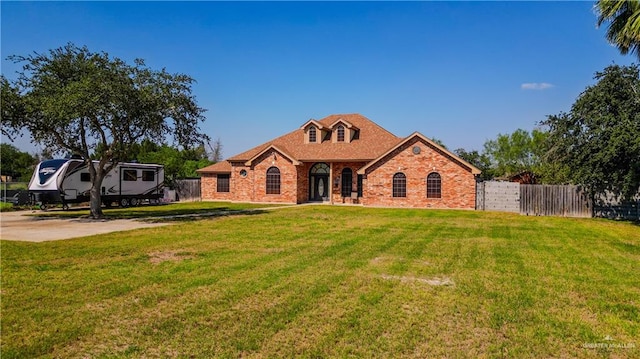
(461, 72)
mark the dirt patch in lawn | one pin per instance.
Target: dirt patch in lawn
(169, 256)
(444, 281)
(388, 260)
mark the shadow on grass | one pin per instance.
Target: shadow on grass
(158, 213)
(632, 221)
(197, 216)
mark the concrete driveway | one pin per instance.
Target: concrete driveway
(18, 226)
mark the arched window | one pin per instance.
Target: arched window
(340, 133)
(320, 168)
(347, 180)
(273, 180)
(312, 134)
(434, 185)
(399, 185)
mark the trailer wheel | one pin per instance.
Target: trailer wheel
(124, 202)
(43, 206)
(134, 202)
(65, 207)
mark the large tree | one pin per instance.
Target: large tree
(480, 160)
(599, 139)
(15, 163)
(12, 108)
(85, 103)
(623, 17)
(177, 163)
(520, 151)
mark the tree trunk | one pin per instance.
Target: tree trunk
(96, 203)
(95, 196)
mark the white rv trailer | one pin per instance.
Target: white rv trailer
(67, 181)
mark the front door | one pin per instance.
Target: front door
(319, 185)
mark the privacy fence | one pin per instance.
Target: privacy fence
(552, 200)
(188, 189)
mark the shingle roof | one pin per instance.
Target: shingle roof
(276, 148)
(474, 170)
(373, 141)
(219, 167)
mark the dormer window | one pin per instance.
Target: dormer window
(312, 134)
(340, 131)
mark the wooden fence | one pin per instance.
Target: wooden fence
(554, 200)
(188, 190)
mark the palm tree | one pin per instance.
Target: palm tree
(623, 17)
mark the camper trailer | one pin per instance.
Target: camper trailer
(67, 181)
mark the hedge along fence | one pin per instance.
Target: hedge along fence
(552, 200)
(607, 206)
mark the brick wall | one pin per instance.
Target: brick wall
(288, 179)
(336, 191)
(209, 186)
(252, 186)
(336, 173)
(458, 184)
(242, 188)
(303, 182)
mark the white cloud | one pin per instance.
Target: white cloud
(536, 86)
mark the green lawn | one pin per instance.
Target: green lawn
(329, 281)
(6, 207)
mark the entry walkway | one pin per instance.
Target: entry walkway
(19, 226)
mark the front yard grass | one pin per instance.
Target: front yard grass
(6, 207)
(329, 281)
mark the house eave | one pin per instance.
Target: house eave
(275, 148)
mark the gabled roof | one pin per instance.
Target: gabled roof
(219, 167)
(474, 170)
(372, 141)
(272, 147)
(346, 123)
(314, 122)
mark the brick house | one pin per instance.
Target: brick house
(344, 159)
